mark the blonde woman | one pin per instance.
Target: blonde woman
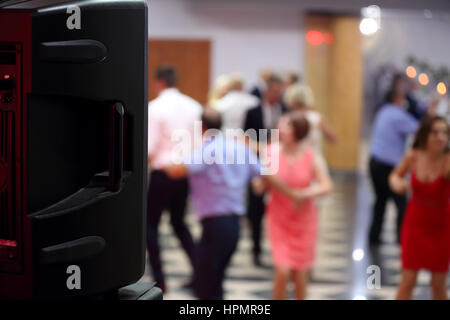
(220, 89)
(300, 98)
(235, 104)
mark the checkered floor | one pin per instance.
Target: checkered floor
(341, 269)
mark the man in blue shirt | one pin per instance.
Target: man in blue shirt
(218, 174)
(393, 125)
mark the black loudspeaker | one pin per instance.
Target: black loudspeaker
(73, 146)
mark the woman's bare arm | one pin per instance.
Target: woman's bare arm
(274, 182)
(323, 185)
(328, 132)
(176, 171)
(397, 180)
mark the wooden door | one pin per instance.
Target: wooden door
(192, 60)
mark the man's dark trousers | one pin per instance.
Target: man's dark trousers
(379, 173)
(218, 242)
(169, 194)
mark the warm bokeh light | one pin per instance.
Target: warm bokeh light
(314, 37)
(411, 72)
(441, 88)
(423, 79)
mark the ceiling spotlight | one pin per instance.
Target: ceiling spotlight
(370, 22)
(368, 26)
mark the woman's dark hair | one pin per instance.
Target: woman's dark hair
(390, 96)
(396, 79)
(426, 125)
(300, 124)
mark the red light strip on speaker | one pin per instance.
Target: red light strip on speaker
(8, 243)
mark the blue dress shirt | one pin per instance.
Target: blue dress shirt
(391, 129)
(218, 187)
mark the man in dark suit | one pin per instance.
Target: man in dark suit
(259, 89)
(263, 116)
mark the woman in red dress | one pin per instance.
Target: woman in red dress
(425, 234)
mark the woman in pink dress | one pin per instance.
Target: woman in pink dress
(292, 224)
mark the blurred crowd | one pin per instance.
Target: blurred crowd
(408, 137)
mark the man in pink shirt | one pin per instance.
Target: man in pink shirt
(169, 112)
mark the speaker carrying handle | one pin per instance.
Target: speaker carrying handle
(102, 184)
(117, 112)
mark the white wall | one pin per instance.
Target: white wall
(248, 35)
(405, 33)
(243, 39)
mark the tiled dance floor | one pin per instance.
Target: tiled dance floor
(343, 264)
